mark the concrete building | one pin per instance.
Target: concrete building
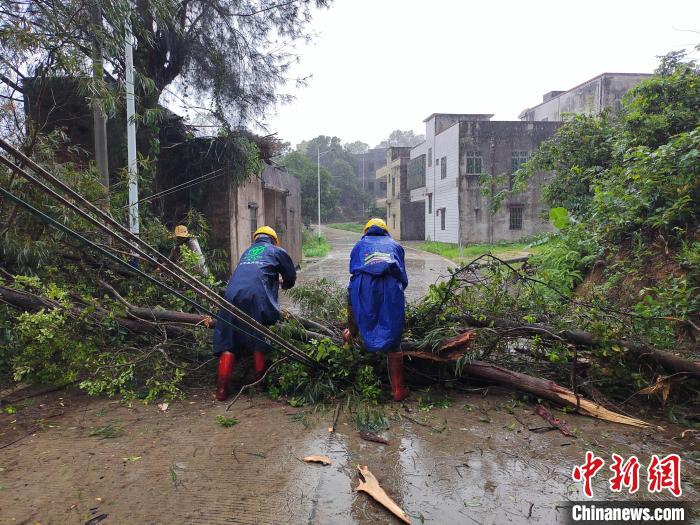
(405, 219)
(234, 209)
(590, 97)
(366, 166)
(444, 173)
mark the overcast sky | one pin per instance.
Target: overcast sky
(380, 65)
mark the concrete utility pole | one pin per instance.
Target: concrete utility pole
(99, 119)
(363, 183)
(131, 131)
(318, 175)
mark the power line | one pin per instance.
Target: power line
(150, 254)
(187, 184)
(65, 229)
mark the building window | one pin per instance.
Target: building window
(430, 157)
(382, 186)
(518, 159)
(442, 218)
(516, 217)
(443, 168)
(430, 203)
(253, 210)
(437, 161)
(473, 162)
(393, 186)
(370, 186)
(393, 221)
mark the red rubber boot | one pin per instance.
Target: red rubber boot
(395, 364)
(223, 377)
(259, 365)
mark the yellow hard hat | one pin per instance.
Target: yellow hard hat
(266, 230)
(181, 232)
(375, 222)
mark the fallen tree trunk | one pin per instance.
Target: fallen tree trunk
(667, 360)
(542, 388)
(33, 303)
(313, 328)
(142, 319)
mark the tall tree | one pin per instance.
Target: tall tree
(232, 56)
(305, 170)
(401, 138)
(356, 147)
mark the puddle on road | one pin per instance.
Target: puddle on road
(470, 471)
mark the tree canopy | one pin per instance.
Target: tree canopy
(305, 170)
(401, 138)
(232, 56)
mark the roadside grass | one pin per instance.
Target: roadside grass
(504, 250)
(314, 246)
(355, 227)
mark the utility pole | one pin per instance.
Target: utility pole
(363, 184)
(131, 131)
(99, 119)
(318, 176)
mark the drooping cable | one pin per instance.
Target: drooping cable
(147, 252)
(207, 177)
(84, 240)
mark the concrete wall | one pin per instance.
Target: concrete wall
(282, 207)
(413, 221)
(497, 141)
(590, 97)
(246, 216)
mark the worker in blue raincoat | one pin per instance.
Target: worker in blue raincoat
(254, 288)
(376, 298)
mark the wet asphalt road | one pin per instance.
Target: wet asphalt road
(423, 268)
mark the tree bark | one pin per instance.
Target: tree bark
(667, 360)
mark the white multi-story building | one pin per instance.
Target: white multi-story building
(444, 173)
(440, 189)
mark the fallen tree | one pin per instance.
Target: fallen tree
(456, 347)
(669, 361)
(451, 350)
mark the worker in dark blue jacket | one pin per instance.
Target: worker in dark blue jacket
(376, 298)
(254, 288)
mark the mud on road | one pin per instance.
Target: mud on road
(472, 461)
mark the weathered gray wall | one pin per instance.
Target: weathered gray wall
(413, 221)
(282, 208)
(496, 141)
(590, 97)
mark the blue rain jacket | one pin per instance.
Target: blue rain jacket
(254, 288)
(377, 283)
